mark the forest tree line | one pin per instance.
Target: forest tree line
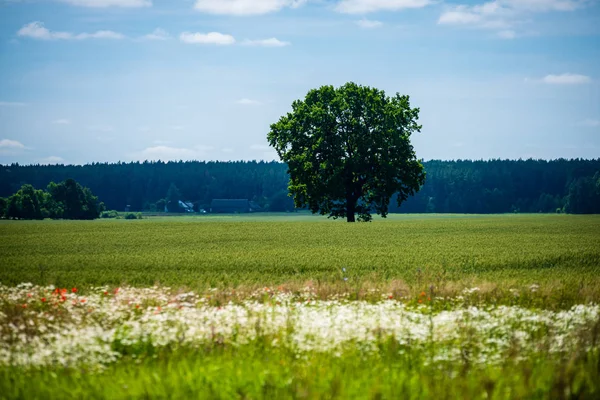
(463, 186)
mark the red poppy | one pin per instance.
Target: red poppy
(391, 296)
(420, 301)
(63, 298)
(106, 293)
(74, 290)
(83, 300)
(423, 293)
(63, 290)
(43, 299)
(24, 305)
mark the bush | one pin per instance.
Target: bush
(133, 216)
(109, 214)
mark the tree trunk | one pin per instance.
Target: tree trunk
(350, 209)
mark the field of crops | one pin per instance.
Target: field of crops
(434, 306)
(227, 251)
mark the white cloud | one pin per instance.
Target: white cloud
(507, 34)
(157, 34)
(459, 16)
(61, 121)
(248, 102)
(590, 123)
(491, 15)
(367, 6)
(544, 5)
(207, 38)
(37, 30)
(11, 144)
(245, 7)
(503, 14)
(566, 79)
(109, 3)
(100, 35)
(167, 153)
(11, 104)
(272, 42)
(224, 40)
(369, 24)
(51, 160)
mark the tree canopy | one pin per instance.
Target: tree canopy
(67, 200)
(348, 150)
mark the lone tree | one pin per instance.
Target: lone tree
(348, 151)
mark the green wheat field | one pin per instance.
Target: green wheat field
(299, 306)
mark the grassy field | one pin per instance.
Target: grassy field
(201, 252)
(296, 306)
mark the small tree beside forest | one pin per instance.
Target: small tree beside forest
(172, 199)
(65, 200)
(584, 195)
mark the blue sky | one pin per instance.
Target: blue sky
(119, 80)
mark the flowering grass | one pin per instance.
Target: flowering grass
(262, 372)
(58, 336)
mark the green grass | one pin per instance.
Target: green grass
(229, 251)
(254, 372)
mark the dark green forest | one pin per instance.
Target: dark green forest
(463, 186)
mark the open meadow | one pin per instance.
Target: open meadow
(297, 306)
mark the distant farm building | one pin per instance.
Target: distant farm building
(183, 206)
(233, 206)
(186, 206)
